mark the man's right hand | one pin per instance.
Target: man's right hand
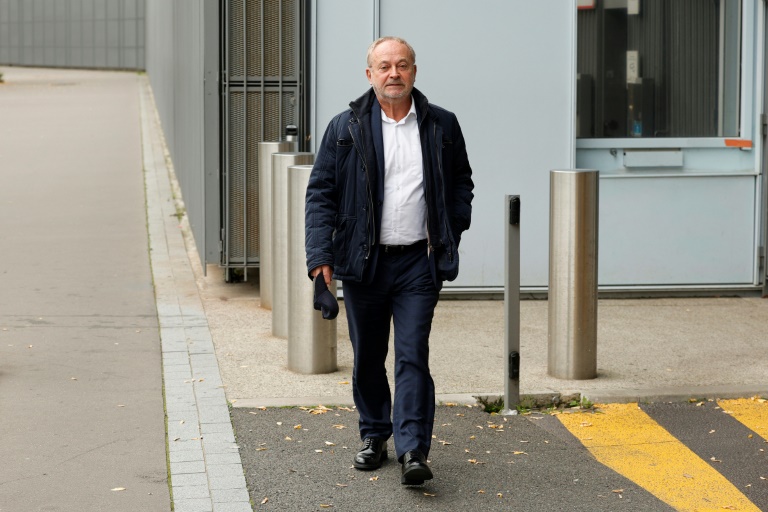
(327, 273)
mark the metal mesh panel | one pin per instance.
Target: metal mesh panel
(236, 35)
(253, 39)
(245, 127)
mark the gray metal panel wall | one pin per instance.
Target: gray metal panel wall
(182, 63)
(73, 33)
(518, 124)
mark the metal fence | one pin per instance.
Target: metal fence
(106, 34)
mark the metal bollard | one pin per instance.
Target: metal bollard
(512, 305)
(266, 149)
(280, 164)
(573, 219)
(311, 339)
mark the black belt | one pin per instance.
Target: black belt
(400, 249)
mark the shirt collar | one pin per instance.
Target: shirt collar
(411, 112)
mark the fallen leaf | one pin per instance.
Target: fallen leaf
(262, 449)
(328, 443)
(288, 438)
(474, 461)
(472, 437)
(181, 422)
(714, 459)
(617, 491)
(342, 485)
(339, 427)
(118, 489)
(279, 423)
(686, 475)
(344, 382)
(326, 505)
(318, 451)
(711, 431)
(427, 494)
(297, 427)
(519, 453)
(262, 408)
(264, 501)
(445, 443)
(481, 491)
(459, 415)
(373, 478)
(499, 495)
(450, 404)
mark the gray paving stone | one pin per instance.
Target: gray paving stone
(222, 458)
(215, 428)
(190, 479)
(186, 455)
(185, 445)
(233, 507)
(224, 470)
(193, 505)
(229, 495)
(211, 447)
(187, 467)
(219, 438)
(227, 482)
(191, 492)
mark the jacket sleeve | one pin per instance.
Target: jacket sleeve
(322, 202)
(461, 200)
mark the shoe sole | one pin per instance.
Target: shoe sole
(370, 467)
(416, 476)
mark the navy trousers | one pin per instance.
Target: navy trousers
(402, 293)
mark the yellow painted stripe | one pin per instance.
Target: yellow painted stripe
(751, 412)
(627, 440)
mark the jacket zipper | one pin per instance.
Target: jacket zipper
(439, 152)
(360, 148)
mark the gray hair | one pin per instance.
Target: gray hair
(390, 38)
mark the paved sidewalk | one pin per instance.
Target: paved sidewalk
(81, 403)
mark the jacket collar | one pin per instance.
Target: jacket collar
(362, 106)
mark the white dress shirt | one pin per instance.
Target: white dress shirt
(404, 212)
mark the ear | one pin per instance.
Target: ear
(368, 75)
(414, 72)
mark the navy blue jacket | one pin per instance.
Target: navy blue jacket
(346, 190)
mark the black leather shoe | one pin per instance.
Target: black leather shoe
(415, 468)
(372, 455)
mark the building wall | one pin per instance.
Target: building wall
(182, 64)
(105, 34)
(507, 69)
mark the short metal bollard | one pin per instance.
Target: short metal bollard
(266, 149)
(280, 211)
(573, 229)
(311, 339)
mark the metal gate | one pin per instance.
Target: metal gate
(261, 95)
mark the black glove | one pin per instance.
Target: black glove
(324, 299)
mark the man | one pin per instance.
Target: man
(388, 199)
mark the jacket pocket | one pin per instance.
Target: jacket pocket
(342, 241)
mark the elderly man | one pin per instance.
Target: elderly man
(388, 200)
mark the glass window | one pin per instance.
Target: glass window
(658, 68)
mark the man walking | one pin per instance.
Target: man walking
(389, 196)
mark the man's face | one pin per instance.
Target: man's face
(391, 72)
